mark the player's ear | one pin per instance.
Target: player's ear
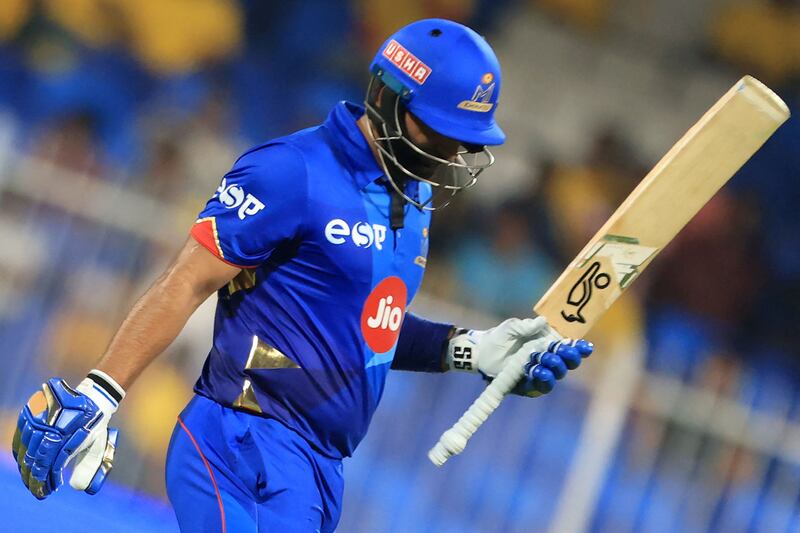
(376, 93)
(378, 98)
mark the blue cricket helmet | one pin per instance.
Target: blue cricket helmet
(446, 75)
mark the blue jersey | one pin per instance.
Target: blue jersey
(306, 333)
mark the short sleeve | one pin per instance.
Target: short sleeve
(260, 204)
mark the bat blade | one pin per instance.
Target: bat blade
(685, 179)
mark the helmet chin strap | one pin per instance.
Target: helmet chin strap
(397, 208)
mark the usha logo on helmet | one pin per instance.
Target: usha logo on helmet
(407, 62)
(233, 196)
(383, 313)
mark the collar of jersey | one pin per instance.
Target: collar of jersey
(349, 140)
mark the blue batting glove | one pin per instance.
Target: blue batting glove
(59, 425)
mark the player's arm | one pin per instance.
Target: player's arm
(60, 424)
(426, 346)
(162, 312)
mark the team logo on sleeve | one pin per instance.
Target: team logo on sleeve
(383, 314)
(233, 196)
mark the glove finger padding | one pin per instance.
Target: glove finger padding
(544, 368)
(40, 481)
(542, 379)
(570, 356)
(584, 347)
(29, 442)
(24, 433)
(554, 363)
(573, 351)
(35, 445)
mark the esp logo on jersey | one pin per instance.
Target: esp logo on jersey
(362, 234)
(233, 196)
(383, 314)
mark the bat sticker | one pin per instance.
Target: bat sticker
(626, 254)
(580, 293)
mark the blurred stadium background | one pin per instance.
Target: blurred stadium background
(118, 118)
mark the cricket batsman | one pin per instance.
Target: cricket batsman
(316, 244)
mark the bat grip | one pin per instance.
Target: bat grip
(454, 440)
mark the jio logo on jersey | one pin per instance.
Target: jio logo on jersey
(233, 196)
(383, 314)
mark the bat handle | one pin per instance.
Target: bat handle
(454, 440)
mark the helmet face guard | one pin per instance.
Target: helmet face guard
(403, 160)
(447, 78)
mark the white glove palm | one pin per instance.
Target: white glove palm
(93, 451)
(485, 352)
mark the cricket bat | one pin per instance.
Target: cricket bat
(685, 179)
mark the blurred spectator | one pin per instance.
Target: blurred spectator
(578, 202)
(383, 17)
(187, 158)
(85, 323)
(580, 198)
(13, 14)
(167, 174)
(505, 271)
(167, 178)
(703, 287)
(25, 305)
(70, 142)
(721, 283)
(761, 37)
(586, 15)
(74, 64)
(96, 23)
(210, 143)
(771, 183)
(300, 58)
(178, 36)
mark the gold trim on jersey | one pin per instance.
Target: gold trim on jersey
(247, 399)
(262, 357)
(246, 279)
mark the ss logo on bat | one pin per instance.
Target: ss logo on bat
(580, 293)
